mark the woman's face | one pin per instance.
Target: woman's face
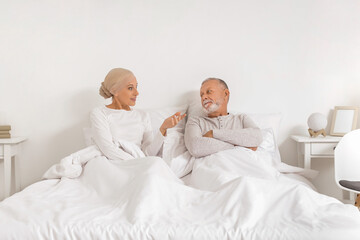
(127, 95)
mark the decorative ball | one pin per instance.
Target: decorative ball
(317, 121)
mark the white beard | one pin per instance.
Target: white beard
(214, 107)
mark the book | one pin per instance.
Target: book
(4, 131)
(5, 135)
(5, 127)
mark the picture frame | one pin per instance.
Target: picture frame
(344, 120)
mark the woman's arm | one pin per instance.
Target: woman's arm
(103, 138)
(151, 145)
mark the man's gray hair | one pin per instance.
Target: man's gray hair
(222, 82)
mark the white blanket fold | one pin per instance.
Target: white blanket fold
(72, 165)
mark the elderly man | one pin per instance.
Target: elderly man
(219, 130)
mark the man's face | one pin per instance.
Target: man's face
(213, 96)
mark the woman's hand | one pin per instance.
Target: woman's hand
(171, 121)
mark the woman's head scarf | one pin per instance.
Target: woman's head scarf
(115, 80)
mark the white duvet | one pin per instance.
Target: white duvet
(234, 194)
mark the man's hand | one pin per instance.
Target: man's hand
(252, 148)
(209, 134)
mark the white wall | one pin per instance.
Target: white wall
(294, 57)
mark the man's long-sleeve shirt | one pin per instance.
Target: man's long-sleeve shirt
(228, 131)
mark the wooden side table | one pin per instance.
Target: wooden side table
(9, 148)
(319, 147)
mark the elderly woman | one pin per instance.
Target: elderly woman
(118, 122)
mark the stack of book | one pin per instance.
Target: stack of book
(5, 131)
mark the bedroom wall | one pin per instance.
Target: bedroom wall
(294, 57)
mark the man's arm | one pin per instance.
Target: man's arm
(249, 136)
(199, 146)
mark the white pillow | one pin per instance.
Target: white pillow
(195, 109)
(176, 155)
(267, 120)
(174, 145)
(269, 145)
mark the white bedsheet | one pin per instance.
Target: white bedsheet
(242, 197)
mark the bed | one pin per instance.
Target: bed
(234, 194)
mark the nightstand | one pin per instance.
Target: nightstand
(9, 148)
(319, 147)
